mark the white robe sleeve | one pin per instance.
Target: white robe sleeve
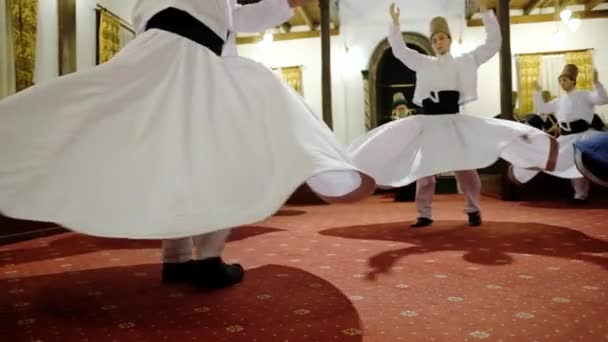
(411, 58)
(543, 107)
(493, 39)
(260, 16)
(598, 95)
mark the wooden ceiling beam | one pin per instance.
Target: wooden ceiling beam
(565, 3)
(306, 17)
(591, 4)
(286, 36)
(532, 5)
(286, 27)
(470, 9)
(541, 18)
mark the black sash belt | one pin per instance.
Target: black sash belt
(183, 24)
(448, 103)
(574, 127)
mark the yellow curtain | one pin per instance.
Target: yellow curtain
(109, 36)
(7, 52)
(293, 77)
(584, 62)
(25, 19)
(528, 74)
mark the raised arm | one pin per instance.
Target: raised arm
(541, 106)
(493, 37)
(411, 58)
(598, 95)
(262, 15)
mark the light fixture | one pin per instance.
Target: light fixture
(268, 38)
(574, 24)
(565, 15)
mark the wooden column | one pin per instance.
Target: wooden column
(326, 61)
(66, 10)
(508, 191)
(506, 79)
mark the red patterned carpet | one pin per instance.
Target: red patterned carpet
(533, 272)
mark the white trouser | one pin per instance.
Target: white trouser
(469, 183)
(205, 246)
(581, 188)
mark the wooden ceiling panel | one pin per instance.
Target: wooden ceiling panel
(530, 16)
(591, 4)
(309, 16)
(528, 4)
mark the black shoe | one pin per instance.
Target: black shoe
(422, 222)
(577, 201)
(177, 272)
(213, 273)
(474, 219)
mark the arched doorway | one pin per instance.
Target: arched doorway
(386, 76)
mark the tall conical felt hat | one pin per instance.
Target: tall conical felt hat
(439, 24)
(570, 71)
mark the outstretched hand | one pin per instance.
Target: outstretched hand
(395, 12)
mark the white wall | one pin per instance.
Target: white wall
(364, 24)
(85, 27)
(360, 33)
(362, 37)
(529, 38)
(47, 64)
(305, 53)
(361, 41)
(47, 50)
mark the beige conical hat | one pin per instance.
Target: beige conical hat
(439, 24)
(570, 71)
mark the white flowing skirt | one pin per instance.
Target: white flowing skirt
(166, 140)
(403, 151)
(565, 166)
